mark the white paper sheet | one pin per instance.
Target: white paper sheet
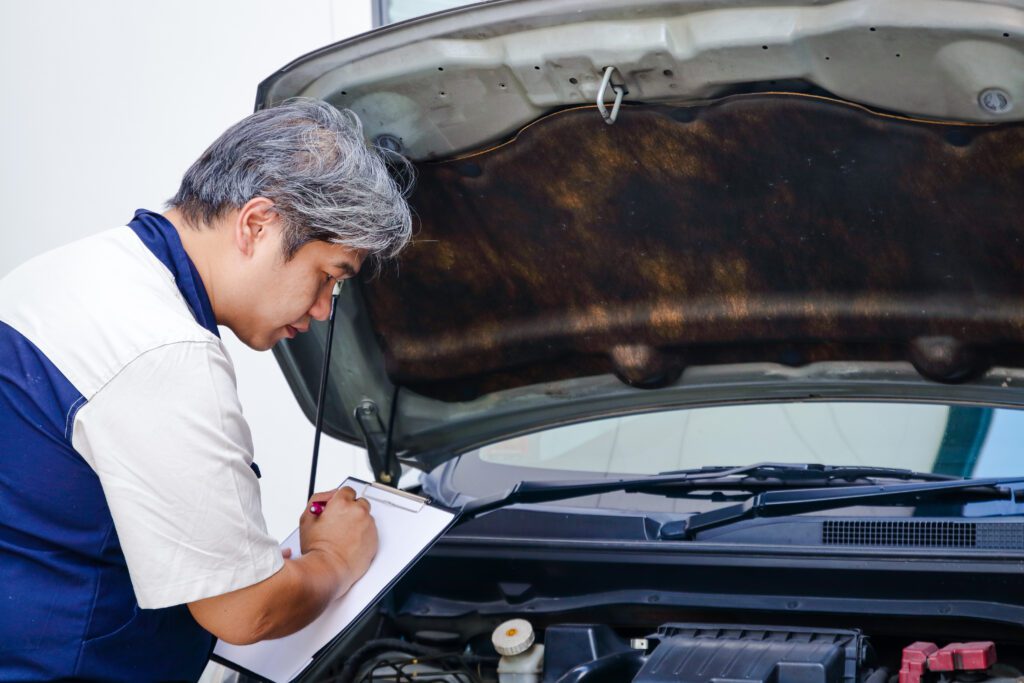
(404, 529)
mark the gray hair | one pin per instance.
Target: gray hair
(312, 161)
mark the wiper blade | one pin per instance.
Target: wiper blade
(753, 478)
(811, 471)
(785, 503)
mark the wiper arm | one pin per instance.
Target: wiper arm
(811, 471)
(784, 503)
(759, 477)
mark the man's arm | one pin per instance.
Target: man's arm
(337, 548)
(174, 466)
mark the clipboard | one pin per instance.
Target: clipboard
(407, 526)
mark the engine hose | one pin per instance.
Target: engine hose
(879, 675)
(352, 664)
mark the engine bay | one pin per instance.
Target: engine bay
(691, 652)
(484, 606)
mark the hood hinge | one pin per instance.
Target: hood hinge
(385, 466)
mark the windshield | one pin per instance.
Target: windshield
(957, 440)
(968, 441)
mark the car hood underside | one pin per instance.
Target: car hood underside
(768, 227)
(728, 238)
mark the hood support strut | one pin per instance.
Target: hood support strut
(324, 371)
(385, 466)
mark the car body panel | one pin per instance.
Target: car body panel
(449, 82)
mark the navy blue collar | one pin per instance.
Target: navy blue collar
(160, 237)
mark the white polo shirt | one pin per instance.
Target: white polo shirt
(158, 417)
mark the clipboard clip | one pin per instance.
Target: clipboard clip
(388, 495)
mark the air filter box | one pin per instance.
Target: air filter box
(738, 654)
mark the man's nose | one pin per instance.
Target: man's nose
(321, 309)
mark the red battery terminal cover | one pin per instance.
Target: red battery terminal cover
(915, 661)
(921, 657)
(963, 657)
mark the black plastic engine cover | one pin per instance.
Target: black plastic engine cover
(758, 654)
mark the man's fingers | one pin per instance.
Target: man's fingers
(346, 493)
(322, 496)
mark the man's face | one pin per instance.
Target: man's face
(281, 296)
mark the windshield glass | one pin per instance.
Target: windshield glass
(957, 440)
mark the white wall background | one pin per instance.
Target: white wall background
(106, 103)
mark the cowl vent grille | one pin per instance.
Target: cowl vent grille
(923, 534)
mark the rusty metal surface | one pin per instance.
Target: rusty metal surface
(772, 227)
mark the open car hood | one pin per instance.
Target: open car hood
(796, 202)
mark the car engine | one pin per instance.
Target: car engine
(694, 653)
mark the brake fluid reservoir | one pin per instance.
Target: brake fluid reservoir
(521, 661)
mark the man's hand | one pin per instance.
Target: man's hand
(344, 530)
(337, 548)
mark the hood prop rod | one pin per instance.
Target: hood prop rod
(321, 395)
(386, 468)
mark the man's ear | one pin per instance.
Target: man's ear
(252, 224)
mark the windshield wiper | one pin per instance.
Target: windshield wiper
(753, 478)
(809, 472)
(785, 503)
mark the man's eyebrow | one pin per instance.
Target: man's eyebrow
(346, 268)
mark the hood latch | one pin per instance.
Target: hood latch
(619, 91)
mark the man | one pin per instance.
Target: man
(130, 522)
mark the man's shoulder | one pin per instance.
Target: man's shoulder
(95, 305)
(78, 254)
